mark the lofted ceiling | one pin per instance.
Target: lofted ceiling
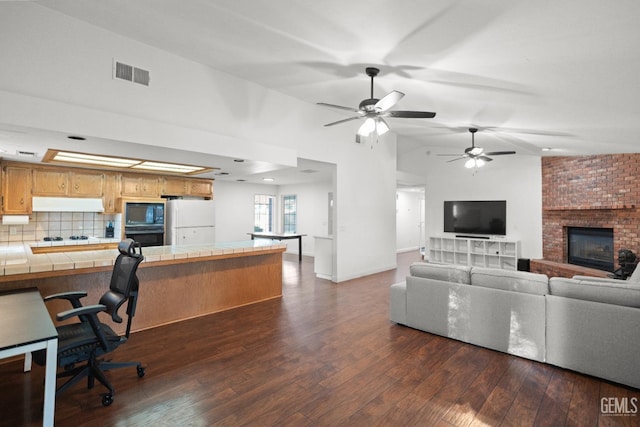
(530, 75)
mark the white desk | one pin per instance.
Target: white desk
(25, 326)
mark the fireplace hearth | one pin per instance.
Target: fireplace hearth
(590, 247)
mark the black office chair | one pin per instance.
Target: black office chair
(84, 342)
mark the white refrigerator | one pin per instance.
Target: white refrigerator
(190, 222)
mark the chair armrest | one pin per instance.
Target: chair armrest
(81, 311)
(73, 297)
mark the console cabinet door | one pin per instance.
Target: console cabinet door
(16, 190)
(86, 184)
(50, 182)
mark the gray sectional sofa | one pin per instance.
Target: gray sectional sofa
(585, 325)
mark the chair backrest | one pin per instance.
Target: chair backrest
(124, 281)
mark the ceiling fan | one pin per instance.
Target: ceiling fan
(373, 110)
(476, 157)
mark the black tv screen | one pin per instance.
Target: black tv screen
(476, 217)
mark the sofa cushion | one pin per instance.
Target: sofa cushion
(445, 272)
(609, 293)
(508, 280)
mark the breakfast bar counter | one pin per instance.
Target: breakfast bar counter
(176, 282)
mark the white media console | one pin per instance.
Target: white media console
(478, 252)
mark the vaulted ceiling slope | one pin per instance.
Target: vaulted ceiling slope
(528, 75)
(535, 74)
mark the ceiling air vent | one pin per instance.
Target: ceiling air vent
(122, 71)
(25, 153)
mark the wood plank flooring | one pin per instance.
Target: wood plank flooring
(324, 355)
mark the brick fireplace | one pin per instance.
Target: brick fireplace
(600, 191)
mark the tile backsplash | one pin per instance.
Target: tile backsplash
(63, 224)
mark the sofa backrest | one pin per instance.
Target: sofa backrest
(444, 272)
(508, 280)
(621, 293)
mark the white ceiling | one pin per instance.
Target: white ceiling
(529, 74)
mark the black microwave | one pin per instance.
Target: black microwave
(143, 213)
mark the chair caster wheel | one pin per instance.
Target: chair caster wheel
(140, 372)
(107, 399)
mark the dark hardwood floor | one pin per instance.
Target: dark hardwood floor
(324, 355)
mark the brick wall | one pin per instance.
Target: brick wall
(590, 191)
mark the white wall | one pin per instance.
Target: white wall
(59, 78)
(408, 232)
(234, 208)
(516, 179)
(365, 237)
(312, 201)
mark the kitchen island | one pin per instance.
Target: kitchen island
(176, 282)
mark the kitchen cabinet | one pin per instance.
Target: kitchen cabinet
(50, 182)
(144, 186)
(201, 187)
(16, 186)
(86, 184)
(111, 193)
(176, 186)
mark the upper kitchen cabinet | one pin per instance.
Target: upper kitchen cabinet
(176, 186)
(50, 182)
(16, 186)
(86, 183)
(201, 187)
(111, 193)
(140, 185)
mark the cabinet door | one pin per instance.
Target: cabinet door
(175, 187)
(48, 182)
(86, 184)
(17, 190)
(111, 193)
(141, 186)
(202, 188)
(150, 186)
(130, 186)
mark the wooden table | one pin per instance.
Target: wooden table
(280, 236)
(25, 326)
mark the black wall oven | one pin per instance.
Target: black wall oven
(144, 222)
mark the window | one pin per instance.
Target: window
(289, 212)
(263, 206)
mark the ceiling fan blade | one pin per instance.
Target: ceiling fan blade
(411, 114)
(388, 101)
(485, 158)
(343, 121)
(499, 153)
(339, 107)
(459, 158)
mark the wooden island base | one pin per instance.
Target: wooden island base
(174, 290)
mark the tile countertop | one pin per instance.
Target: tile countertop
(17, 258)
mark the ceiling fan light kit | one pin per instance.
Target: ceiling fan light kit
(373, 110)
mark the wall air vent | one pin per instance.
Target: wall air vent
(122, 71)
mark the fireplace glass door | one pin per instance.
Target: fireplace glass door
(590, 247)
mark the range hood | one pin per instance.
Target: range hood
(66, 204)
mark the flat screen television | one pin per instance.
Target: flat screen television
(476, 217)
